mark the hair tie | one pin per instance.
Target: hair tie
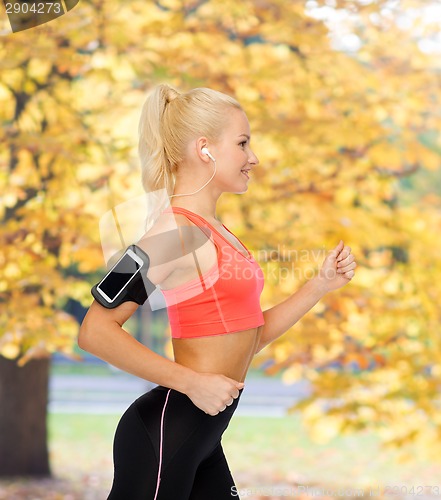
(171, 96)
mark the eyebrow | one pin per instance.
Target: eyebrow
(247, 136)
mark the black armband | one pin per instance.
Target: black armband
(126, 280)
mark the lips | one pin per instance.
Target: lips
(245, 172)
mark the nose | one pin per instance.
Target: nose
(252, 159)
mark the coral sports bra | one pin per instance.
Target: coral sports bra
(224, 299)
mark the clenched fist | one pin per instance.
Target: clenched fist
(337, 268)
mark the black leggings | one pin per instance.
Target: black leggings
(164, 431)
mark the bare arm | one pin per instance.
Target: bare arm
(283, 316)
(337, 270)
(102, 335)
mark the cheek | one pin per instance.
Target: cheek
(229, 174)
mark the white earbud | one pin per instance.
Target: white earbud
(206, 152)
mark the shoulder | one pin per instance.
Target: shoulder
(168, 243)
(164, 233)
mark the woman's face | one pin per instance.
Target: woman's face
(234, 157)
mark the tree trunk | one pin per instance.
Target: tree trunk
(23, 409)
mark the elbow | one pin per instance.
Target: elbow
(87, 333)
(86, 337)
(91, 335)
(262, 342)
(258, 349)
(82, 338)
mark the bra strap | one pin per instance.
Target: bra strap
(172, 209)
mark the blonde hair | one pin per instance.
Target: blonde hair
(169, 121)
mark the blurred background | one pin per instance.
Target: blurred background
(343, 102)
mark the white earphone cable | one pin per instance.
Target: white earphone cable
(194, 192)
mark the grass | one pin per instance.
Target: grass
(281, 451)
(261, 452)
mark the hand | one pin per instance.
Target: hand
(212, 392)
(338, 268)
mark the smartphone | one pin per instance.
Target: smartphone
(118, 278)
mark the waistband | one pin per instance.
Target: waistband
(163, 388)
(184, 397)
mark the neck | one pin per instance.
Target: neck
(202, 203)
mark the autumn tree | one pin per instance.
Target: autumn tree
(55, 162)
(334, 130)
(362, 124)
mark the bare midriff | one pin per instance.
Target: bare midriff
(229, 354)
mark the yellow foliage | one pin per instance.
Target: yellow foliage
(334, 132)
(327, 428)
(90, 258)
(10, 351)
(292, 374)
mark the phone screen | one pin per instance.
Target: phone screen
(120, 275)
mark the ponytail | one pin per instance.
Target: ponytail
(157, 172)
(169, 121)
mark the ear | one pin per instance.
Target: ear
(202, 142)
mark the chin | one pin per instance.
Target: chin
(236, 189)
(242, 191)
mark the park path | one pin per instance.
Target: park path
(114, 393)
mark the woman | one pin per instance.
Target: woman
(167, 445)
